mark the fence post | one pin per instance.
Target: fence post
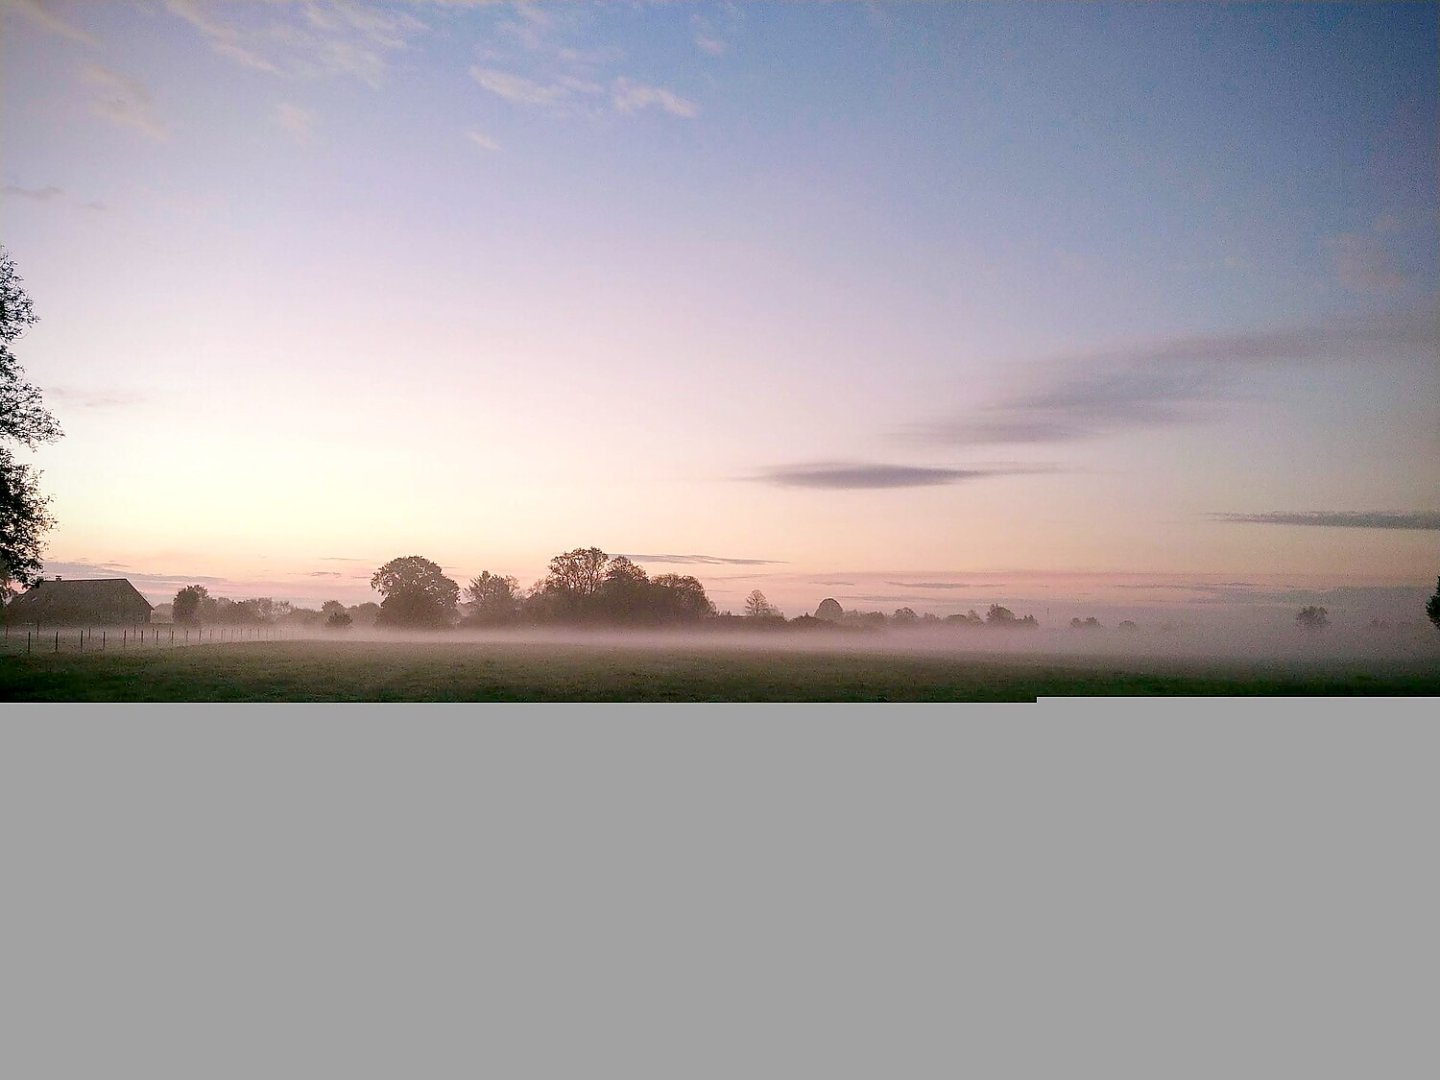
(57, 640)
(27, 642)
(102, 640)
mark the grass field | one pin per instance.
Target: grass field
(513, 671)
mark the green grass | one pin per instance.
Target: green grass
(381, 671)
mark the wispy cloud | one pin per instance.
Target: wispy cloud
(845, 476)
(1342, 519)
(1365, 263)
(324, 573)
(481, 140)
(298, 123)
(629, 96)
(94, 399)
(50, 194)
(306, 39)
(937, 585)
(45, 194)
(126, 102)
(40, 14)
(1182, 380)
(702, 560)
(517, 88)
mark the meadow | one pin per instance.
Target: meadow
(609, 669)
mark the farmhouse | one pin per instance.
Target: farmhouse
(87, 602)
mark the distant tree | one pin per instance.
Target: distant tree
(1128, 624)
(24, 512)
(329, 607)
(338, 620)
(970, 618)
(364, 614)
(680, 598)
(625, 593)
(577, 574)
(830, 610)
(417, 594)
(999, 616)
(1432, 607)
(185, 609)
(904, 616)
(757, 607)
(1091, 623)
(491, 599)
(1313, 618)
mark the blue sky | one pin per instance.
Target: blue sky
(852, 289)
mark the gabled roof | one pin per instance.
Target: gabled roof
(54, 599)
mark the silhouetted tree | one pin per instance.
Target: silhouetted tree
(1313, 618)
(338, 620)
(757, 607)
(680, 598)
(364, 614)
(830, 610)
(999, 616)
(417, 594)
(624, 594)
(970, 618)
(1432, 607)
(1128, 624)
(491, 599)
(904, 616)
(577, 573)
(24, 511)
(185, 608)
(1091, 623)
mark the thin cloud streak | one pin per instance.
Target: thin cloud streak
(45, 194)
(1183, 380)
(703, 560)
(630, 96)
(298, 123)
(40, 15)
(1342, 519)
(858, 476)
(127, 103)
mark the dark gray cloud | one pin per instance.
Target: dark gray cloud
(1342, 519)
(1182, 380)
(702, 560)
(840, 476)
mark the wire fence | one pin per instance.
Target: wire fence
(32, 639)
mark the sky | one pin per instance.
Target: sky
(927, 305)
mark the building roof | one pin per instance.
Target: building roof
(77, 597)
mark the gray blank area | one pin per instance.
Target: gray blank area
(1120, 889)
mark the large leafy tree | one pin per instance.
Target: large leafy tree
(1432, 606)
(417, 594)
(492, 599)
(186, 607)
(24, 513)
